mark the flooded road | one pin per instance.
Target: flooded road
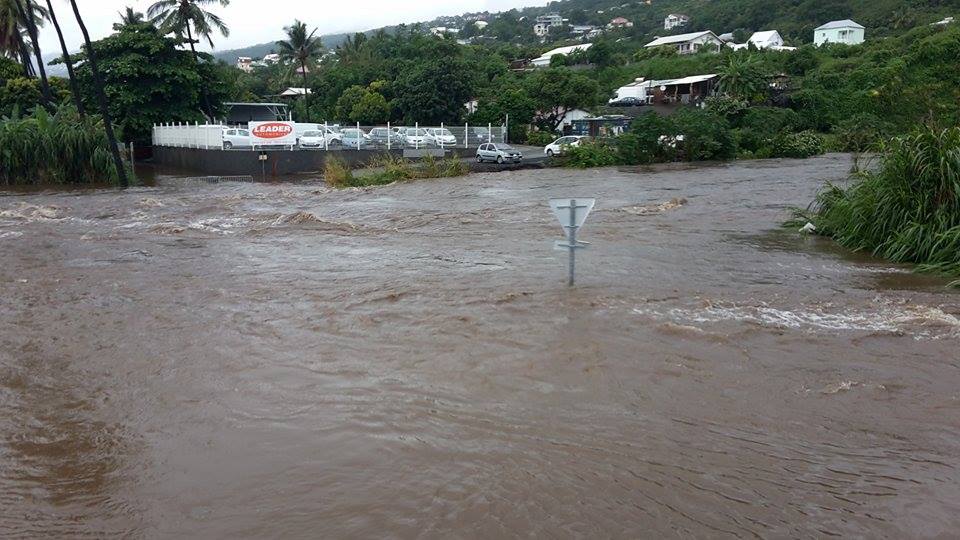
(226, 360)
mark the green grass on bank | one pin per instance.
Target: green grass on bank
(387, 169)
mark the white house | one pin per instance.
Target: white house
(541, 29)
(443, 30)
(245, 64)
(551, 20)
(675, 20)
(568, 119)
(846, 31)
(769, 39)
(683, 90)
(689, 43)
(544, 61)
(272, 58)
(481, 24)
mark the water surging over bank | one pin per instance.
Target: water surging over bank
(247, 360)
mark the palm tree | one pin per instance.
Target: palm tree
(742, 77)
(14, 34)
(74, 87)
(186, 17)
(300, 48)
(101, 98)
(352, 49)
(128, 17)
(26, 16)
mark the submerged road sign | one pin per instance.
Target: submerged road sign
(572, 214)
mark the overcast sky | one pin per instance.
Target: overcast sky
(258, 21)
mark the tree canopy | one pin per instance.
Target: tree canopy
(167, 80)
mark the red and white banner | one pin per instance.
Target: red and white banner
(273, 133)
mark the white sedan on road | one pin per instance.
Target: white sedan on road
(556, 147)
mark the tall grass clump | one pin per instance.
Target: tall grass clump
(907, 210)
(337, 173)
(60, 148)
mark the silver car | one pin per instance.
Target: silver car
(236, 138)
(499, 152)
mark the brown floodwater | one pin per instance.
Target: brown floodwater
(226, 359)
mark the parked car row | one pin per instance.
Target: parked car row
(337, 137)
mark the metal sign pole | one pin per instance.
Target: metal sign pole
(572, 216)
(572, 240)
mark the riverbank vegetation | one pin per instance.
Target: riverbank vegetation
(699, 135)
(387, 169)
(906, 210)
(60, 148)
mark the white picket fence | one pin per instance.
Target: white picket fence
(207, 136)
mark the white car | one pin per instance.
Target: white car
(317, 138)
(416, 137)
(236, 138)
(441, 137)
(556, 147)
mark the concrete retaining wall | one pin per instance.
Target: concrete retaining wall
(278, 163)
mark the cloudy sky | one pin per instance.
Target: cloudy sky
(259, 21)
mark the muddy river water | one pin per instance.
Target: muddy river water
(226, 360)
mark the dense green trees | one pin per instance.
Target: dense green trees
(187, 19)
(168, 81)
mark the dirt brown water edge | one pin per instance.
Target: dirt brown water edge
(222, 360)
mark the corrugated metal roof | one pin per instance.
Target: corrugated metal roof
(693, 79)
(565, 50)
(679, 38)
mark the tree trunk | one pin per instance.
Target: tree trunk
(32, 30)
(101, 98)
(74, 87)
(306, 91)
(203, 86)
(28, 70)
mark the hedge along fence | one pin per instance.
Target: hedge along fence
(61, 148)
(906, 211)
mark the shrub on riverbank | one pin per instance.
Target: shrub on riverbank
(688, 135)
(797, 145)
(61, 148)
(906, 211)
(387, 169)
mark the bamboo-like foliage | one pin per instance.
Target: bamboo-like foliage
(908, 210)
(46, 148)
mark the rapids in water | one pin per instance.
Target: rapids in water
(225, 360)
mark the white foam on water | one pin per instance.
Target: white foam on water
(23, 211)
(922, 322)
(10, 234)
